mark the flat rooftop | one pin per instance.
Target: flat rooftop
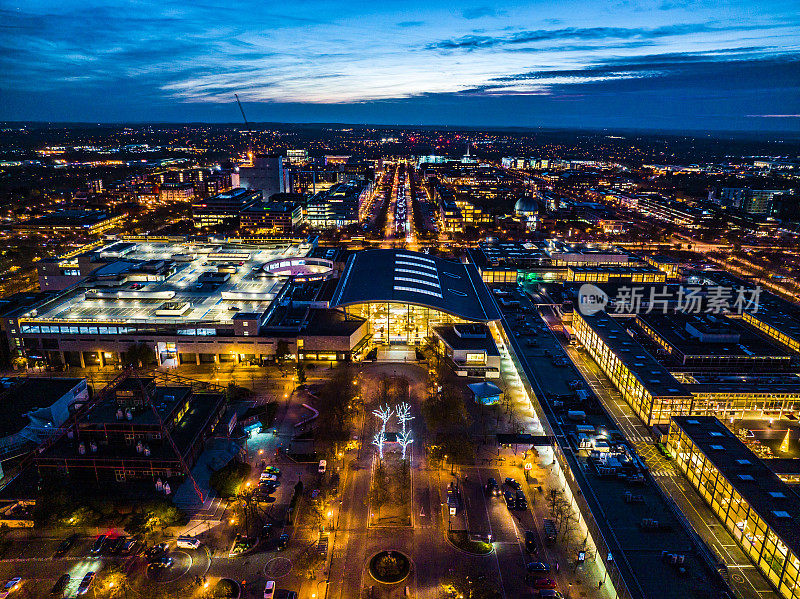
(29, 394)
(695, 334)
(637, 552)
(771, 498)
(449, 335)
(68, 218)
(652, 375)
(168, 282)
(696, 382)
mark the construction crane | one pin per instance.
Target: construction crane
(250, 155)
(246, 124)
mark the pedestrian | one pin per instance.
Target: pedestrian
(600, 585)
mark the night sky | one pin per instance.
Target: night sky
(665, 64)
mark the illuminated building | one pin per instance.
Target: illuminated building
(782, 327)
(176, 192)
(271, 218)
(754, 505)
(224, 208)
(134, 430)
(649, 389)
(93, 222)
(665, 263)
(712, 342)
(338, 206)
(189, 302)
(470, 349)
(631, 272)
(403, 295)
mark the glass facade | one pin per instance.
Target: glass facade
(400, 324)
(767, 551)
(650, 409)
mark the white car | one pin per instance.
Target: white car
(323, 466)
(11, 585)
(268, 476)
(269, 590)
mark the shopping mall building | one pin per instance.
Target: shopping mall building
(236, 301)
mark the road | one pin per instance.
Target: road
(750, 584)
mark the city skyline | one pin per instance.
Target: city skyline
(650, 65)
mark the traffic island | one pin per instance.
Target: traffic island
(389, 567)
(226, 589)
(390, 491)
(460, 540)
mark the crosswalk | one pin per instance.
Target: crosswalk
(664, 473)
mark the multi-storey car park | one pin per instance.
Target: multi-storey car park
(201, 302)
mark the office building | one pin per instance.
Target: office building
(223, 209)
(338, 206)
(265, 173)
(760, 510)
(271, 218)
(649, 389)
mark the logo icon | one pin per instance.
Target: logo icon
(591, 299)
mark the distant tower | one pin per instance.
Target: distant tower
(265, 173)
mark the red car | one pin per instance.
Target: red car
(543, 583)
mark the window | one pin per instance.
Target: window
(743, 462)
(745, 477)
(476, 358)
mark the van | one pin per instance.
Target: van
(188, 543)
(323, 466)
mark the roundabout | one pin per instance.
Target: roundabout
(277, 567)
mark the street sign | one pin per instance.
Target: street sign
(452, 511)
(528, 466)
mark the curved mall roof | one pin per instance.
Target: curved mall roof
(405, 277)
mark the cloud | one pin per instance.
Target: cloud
(406, 24)
(725, 71)
(474, 42)
(481, 11)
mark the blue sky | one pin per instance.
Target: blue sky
(674, 64)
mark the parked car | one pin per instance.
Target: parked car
(510, 498)
(64, 545)
(273, 470)
(11, 586)
(531, 543)
(60, 585)
(323, 466)
(492, 488)
(550, 594)
(97, 546)
(268, 476)
(86, 583)
(283, 541)
(269, 589)
(115, 545)
(538, 567)
(511, 482)
(543, 583)
(522, 503)
(127, 547)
